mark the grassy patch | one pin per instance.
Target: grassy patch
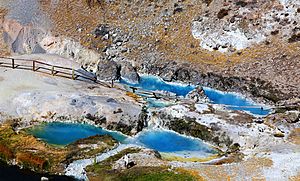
(154, 173)
(104, 171)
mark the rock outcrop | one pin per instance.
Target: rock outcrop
(198, 95)
(108, 70)
(129, 72)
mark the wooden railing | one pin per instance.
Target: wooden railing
(46, 68)
(71, 73)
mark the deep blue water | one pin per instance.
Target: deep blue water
(233, 101)
(161, 140)
(167, 141)
(65, 133)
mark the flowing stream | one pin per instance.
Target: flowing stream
(230, 100)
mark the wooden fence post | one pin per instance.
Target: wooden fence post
(52, 70)
(33, 65)
(13, 63)
(112, 83)
(133, 89)
(154, 95)
(73, 74)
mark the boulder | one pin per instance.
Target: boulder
(108, 70)
(198, 95)
(101, 30)
(293, 116)
(129, 72)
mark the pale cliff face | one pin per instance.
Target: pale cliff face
(230, 26)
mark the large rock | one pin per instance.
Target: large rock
(129, 72)
(101, 30)
(198, 95)
(108, 70)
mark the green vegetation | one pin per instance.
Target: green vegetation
(104, 171)
(105, 166)
(154, 173)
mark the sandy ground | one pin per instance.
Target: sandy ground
(36, 95)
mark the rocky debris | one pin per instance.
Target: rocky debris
(108, 70)
(101, 30)
(129, 72)
(98, 120)
(284, 122)
(294, 38)
(198, 95)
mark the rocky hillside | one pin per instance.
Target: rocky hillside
(217, 43)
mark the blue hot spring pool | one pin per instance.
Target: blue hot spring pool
(57, 133)
(161, 140)
(231, 100)
(170, 142)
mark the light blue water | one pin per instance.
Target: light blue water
(153, 83)
(233, 101)
(65, 133)
(161, 140)
(152, 102)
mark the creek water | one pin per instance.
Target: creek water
(230, 100)
(153, 83)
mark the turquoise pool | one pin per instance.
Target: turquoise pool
(161, 140)
(58, 133)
